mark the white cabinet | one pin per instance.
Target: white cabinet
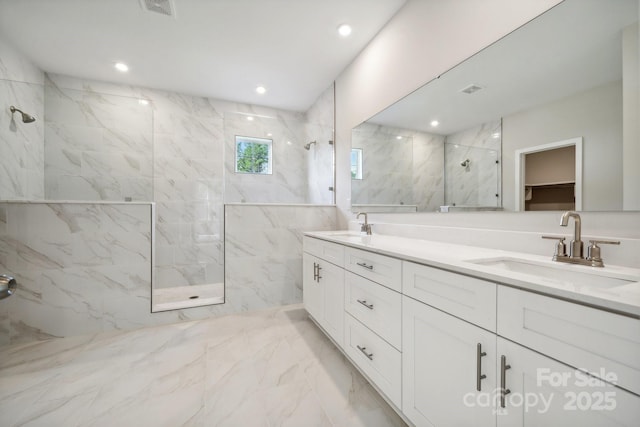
(380, 268)
(466, 297)
(374, 305)
(323, 294)
(380, 361)
(452, 350)
(592, 339)
(545, 392)
(447, 365)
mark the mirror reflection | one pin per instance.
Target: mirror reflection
(462, 141)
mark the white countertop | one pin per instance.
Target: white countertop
(623, 297)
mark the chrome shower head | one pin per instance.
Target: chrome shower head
(26, 118)
(308, 146)
(465, 163)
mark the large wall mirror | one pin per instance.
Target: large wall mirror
(540, 120)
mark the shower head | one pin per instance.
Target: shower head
(26, 118)
(308, 146)
(465, 163)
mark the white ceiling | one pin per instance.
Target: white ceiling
(217, 48)
(574, 47)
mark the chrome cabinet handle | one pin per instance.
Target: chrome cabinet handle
(364, 302)
(503, 380)
(318, 276)
(365, 265)
(479, 376)
(315, 272)
(364, 351)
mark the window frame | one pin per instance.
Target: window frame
(254, 140)
(358, 164)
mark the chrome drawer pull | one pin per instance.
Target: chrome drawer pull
(365, 265)
(364, 351)
(319, 276)
(369, 306)
(479, 376)
(315, 272)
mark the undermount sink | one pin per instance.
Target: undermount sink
(556, 274)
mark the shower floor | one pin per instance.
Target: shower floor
(183, 296)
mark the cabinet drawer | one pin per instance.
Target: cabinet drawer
(375, 357)
(328, 251)
(600, 342)
(379, 268)
(377, 307)
(468, 298)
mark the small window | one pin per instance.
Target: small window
(253, 155)
(356, 163)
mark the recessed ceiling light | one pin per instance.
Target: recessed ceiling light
(261, 90)
(143, 102)
(269, 134)
(435, 123)
(250, 118)
(398, 137)
(344, 30)
(121, 66)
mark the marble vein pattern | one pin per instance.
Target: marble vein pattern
(21, 144)
(98, 146)
(267, 368)
(477, 183)
(101, 145)
(399, 167)
(263, 258)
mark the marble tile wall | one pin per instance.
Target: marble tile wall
(185, 163)
(405, 171)
(288, 181)
(478, 183)
(188, 190)
(21, 144)
(98, 146)
(84, 268)
(77, 266)
(263, 258)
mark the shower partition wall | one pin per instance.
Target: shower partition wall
(113, 143)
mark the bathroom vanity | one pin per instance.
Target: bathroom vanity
(459, 335)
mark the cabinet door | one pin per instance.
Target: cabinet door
(312, 292)
(331, 280)
(545, 392)
(441, 365)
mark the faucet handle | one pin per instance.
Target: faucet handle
(606, 242)
(593, 251)
(561, 248)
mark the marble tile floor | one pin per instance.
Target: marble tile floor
(179, 297)
(268, 368)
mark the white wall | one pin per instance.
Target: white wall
(596, 116)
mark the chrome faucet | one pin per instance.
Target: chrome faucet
(576, 246)
(575, 256)
(365, 227)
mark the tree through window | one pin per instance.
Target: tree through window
(253, 155)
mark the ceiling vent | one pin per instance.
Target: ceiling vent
(471, 89)
(163, 7)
